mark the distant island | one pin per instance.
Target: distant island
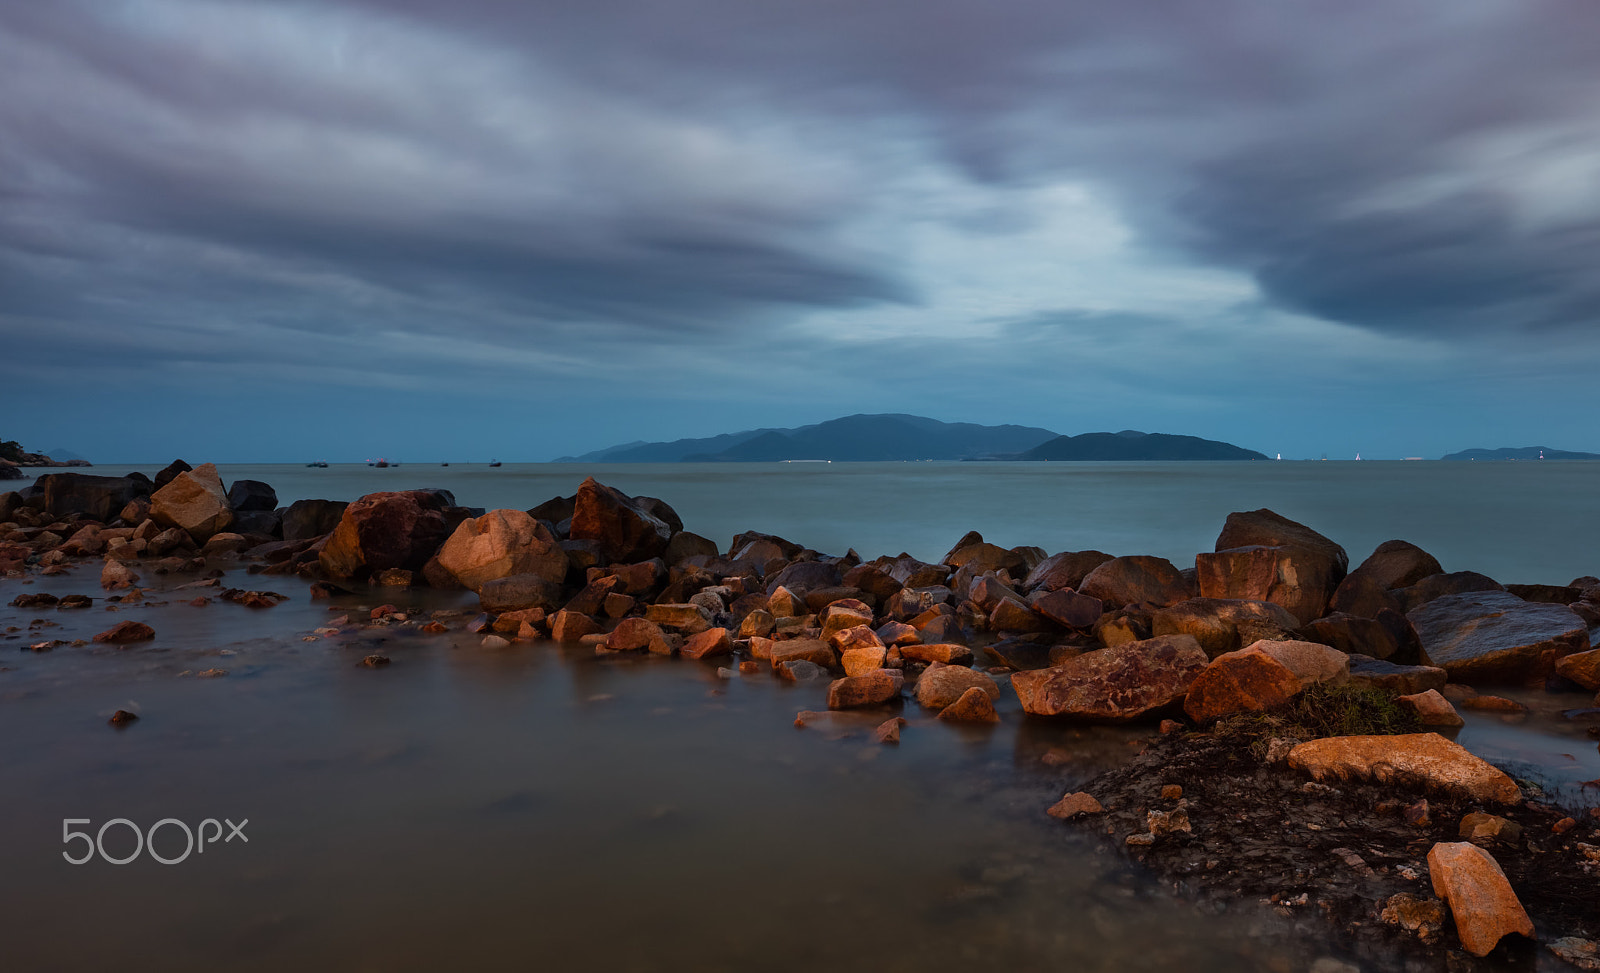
(1519, 452)
(1130, 444)
(899, 438)
(12, 456)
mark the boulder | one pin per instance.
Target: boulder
(1115, 684)
(1066, 607)
(570, 626)
(555, 510)
(1075, 805)
(96, 497)
(685, 618)
(195, 502)
(1443, 585)
(125, 632)
(1431, 708)
(518, 592)
(624, 528)
(309, 519)
(1264, 528)
(1299, 580)
(948, 653)
(1244, 681)
(1425, 760)
(685, 545)
(1356, 635)
(941, 685)
(1582, 668)
(116, 574)
(248, 495)
(1387, 676)
(386, 530)
(913, 573)
(804, 576)
(1311, 662)
(502, 543)
(660, 510)
(984, 557)
(870, 689)
(873, 579)
(1064, 570)
(1138, 578)
(170, 472)
(1223, 624)
(973, 706)
(1398, 564)
(808, 650)
(710, 644)
(1358, 594)
(1494, 636)
(1011, 615)
(635, 634)
(845, 614)
(1471, 882)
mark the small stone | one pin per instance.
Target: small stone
(1074, 805)
(1485, 829)
(1170, 726)
(1175, 821)
(1582, 953)
(1418, 815)
(211, 673)
(495, 642)
(124, 632)
(1171, 792)
(973, 706)
(889, 730)
(1493, 704)
(872, 689)
(375, 661)
(1141, 840)
(1416, 914)
(122, 718)
(1432, 709)
(1564, 825)
(434, 628)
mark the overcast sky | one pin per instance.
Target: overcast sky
(288, 231)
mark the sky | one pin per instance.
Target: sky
(278, 232)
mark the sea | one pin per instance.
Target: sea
(534, 806)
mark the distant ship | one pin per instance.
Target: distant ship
(494, 462)
(320, 464)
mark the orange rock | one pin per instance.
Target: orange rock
(863, 660)
(1120, 683)
(499, 544)
(855, 637)
(1073, 805)
(795, 650)
(1470, 881)
(1432, 709)
(1244, 681)
(632, 634)
(974, 706)
(570, 626)
(872, 689)
(1582, 668)
(709, 644)
(948, 653)
(125, 632)
(1493, 704)
(1425, 758)
(846, 614)
(941, 686)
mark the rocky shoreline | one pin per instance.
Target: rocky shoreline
(1304, 708)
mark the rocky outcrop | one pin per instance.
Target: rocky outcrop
(1427, 760)
(1262, 556)
(194, 502)
(1494, 636)
(1245, 681)
(1482, 902)
(626, 531)
(386, 530)
(1223, 625)
(502, 543)
(1117, 684)
(1137, 579)
(96, 497)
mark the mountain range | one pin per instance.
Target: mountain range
(899, 437)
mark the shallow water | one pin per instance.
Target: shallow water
(1532, 523)
(534, 806)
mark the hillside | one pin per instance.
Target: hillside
(1131, 445)
(1519, 452)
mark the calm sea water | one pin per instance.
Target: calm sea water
(1517, 522)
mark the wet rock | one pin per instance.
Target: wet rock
(376, 661)
(40, 599)
(810, 650)
(1488, 829)
(710, 644)
(940, 685)
(98, 498)
(1115, 684)
(1064, 570)
(1067, 608)
(871, 689)
(251, 495)
(973, 706)
(500, 544)
(758, 622)
(1407, 680)
(1493, 636)
(1245, 681)
(948, 653)
(518, 592)
(1442, 585)
(1581, 953)
(889, 730)
(1123, 625)
(1421, 916)
(685, 618)
(624, 527)
(982, 556)
(1137, 579)
(1431, 708)
(686, 545)
(1363, 597)
(1493, 704)
(1582, 668)
(800, 670)
(783, 603)
(635, 634)
(1223, 624)
(116, 574)
(1427, 759)
(570, 626)
(1471, 882)
(125, 632)
(194, 502)
(1311, 662)
(1398, 564)
(122, 718)
(845, 614)
(1075, 805)
(386, 530)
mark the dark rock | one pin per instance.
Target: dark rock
(626, 531)
(913, 573)
(1546, 594)
(1067, 607)
(1264, 528)
(984, 557)
(1020, 654)
(1496, 636)
(386, 530)
(9, 471)
(1442, 585)
(1354, 635)
(582, 555)
(1402, 680)
(872, 689)
(873, 579)
(266, 523)
(1064, 570)
(519, 591)
(1398, 564)
(310, 519)
(96, 497)
(1223, 625)
(1012, 615)
(1124, 625)
(1139, 578)
(122, 718)
(555, 510)
(251, 495)
(686, 545)
(803, 576)
(1360, 594)
(660, 510)
(127, 631)
(170, 472)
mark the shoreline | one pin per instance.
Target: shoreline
(882, 627)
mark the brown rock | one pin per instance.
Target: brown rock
(1492, 636)
(1487, 829)
(1301, 581)
(622, 525)
(1011, 615)
(862, 660)
(1398, 564)
(1416, 914)
(1493, 704)
(385, 530)
(1222, 624)
(783, 603)
(116, 575)
(897, 633)
(1441, 585)
(502, 543)
(1123, 625)
(1246, 681)
(1427, 759)
(617, 605)
(570, 626)
(948, 653)
(1432, 709)
(983, 557)
(1064, 570)
(973, 706)
(1485, 908)
(758, 622)
(1114, 684)
(710, 644)
(1582, 668)
(1140, 578)
(1355, 635)
(1359, 595)
(841, 615)
(1378, 674)
(871, 689)
(809, 650)
(194, 502)
(1067, 607)
(1075, 805)
(1311, 662)
(889, 730)
(124, 632)
(519, 592)
(940, 686)
(634, 634)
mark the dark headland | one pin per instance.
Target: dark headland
(1517, 453)
(1299, 714)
